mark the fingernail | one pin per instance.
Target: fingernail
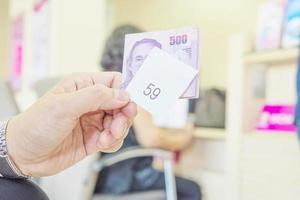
(123, 96)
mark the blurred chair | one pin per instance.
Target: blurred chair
(8, 105)
(170, 187)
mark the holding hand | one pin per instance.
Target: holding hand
(83, 114)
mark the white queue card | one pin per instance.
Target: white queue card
(160, 81)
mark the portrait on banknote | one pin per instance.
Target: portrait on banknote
(138, 53)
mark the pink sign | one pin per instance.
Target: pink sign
(40, 41)
(17, 51)
(277, 118)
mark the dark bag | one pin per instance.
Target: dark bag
(211, 108)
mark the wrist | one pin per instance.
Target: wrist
(13, 150)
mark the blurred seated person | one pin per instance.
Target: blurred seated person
(137, 175)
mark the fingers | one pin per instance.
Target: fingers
(116, 130)
(107, 144)
(107, 121)
(96, 97)
(79, 81)
(91, 92)
(130, 110)
(106, 141)
(122, 121)
(109, 79)
(116, 127)
(103, 141)
(119, 126)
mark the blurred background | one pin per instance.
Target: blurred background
(245, 149)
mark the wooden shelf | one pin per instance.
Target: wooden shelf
(210, 133)
(272, 56)
(253, 155)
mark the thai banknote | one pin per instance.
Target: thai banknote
(182, 44)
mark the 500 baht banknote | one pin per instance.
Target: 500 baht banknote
(182, 44)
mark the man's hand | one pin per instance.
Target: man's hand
(83, 114)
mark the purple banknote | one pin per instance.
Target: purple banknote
(180, 43)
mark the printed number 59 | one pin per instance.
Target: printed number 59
(152, 90)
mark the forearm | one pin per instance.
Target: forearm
(149, 135)
(171, 140)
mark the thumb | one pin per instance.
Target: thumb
(97, 97)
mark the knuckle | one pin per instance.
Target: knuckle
(102, 92)
(76, 76)
(68, 79)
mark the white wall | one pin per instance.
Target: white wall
(78, 31)
(77, 34)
